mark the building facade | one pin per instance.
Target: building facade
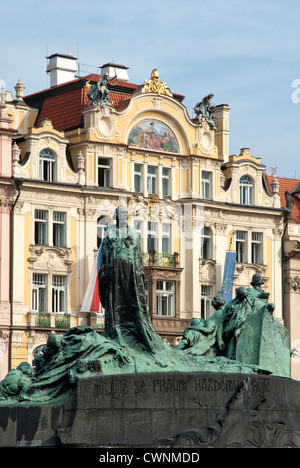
(289, 192)
(74, 160)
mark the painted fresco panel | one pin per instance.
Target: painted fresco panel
(154, 135)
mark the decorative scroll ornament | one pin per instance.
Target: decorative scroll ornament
(294, 283)
(156, 86)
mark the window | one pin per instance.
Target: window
(256, 248)
(58, 294)
(166, 235)
(205, 301)
(165, 181)
(138, 178)
(206, 243)
(152, 236)
(165, 298)
(47, 165)
(152, 180)
(241, 246)
(40, 227)
(59, 231)
(206, 185)
(246, 190)
(104, 167)
(39, 293)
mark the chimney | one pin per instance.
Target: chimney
(62, 68)
(113, 69)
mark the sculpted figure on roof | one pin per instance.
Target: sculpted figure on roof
(98, 93)
(204, 110)
(155, 86)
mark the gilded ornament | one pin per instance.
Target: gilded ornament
(155, 86)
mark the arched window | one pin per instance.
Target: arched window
(47, 165)
(246, 190)
(37, 351)
(206, 243)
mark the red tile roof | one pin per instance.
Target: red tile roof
(292, 186)
(63, 104)
(64, 110)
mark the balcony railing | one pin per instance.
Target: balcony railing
(154, 258)
(50, 319)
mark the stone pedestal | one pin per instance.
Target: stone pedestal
(162, 410)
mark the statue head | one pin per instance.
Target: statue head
(241, 293)
(256, 280)
(25, 368)
(154, 74)
(218, 302)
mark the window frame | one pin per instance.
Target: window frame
(166, 181)
(37, 286)
(47, 165)
(41, 234)
(152, 186)
(57, 226)
(107, 168)
(205, 298)
(206, 243)
(166, 235)
(165, 299)
(206, 185)
(241, 247)
(257, 244)
(59, 294)
(246, 189)
(152, 234)
(138, 177)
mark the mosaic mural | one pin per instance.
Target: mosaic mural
(151, 134)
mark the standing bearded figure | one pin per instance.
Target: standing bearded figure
(122, 290)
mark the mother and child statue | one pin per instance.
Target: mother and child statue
(241, 336)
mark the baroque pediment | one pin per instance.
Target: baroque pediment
(50, 258)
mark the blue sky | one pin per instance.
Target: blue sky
(245, 52)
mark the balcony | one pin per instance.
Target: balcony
(154, 258)
(50, 320)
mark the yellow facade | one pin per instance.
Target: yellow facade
(187, 191)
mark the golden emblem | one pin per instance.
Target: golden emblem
(155, 86)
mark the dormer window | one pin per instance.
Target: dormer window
(246, 190)
(47, 165)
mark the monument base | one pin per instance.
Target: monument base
(159, 410)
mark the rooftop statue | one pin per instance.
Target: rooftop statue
(98, 93)
(155, 86)
(240, 337)
(204, 110)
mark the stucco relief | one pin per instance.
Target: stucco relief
(50, 258)
(294, 283)
(206, 140)
(244, 271)
(207, 271)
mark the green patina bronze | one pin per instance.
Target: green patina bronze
(241, 336)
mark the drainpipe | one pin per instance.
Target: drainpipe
(18, 184)
(286, 215)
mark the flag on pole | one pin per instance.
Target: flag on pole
(91, 301)
(228, 276)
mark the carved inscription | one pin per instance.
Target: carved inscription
(118, 388)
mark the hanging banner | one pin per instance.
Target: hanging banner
(228, 276)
